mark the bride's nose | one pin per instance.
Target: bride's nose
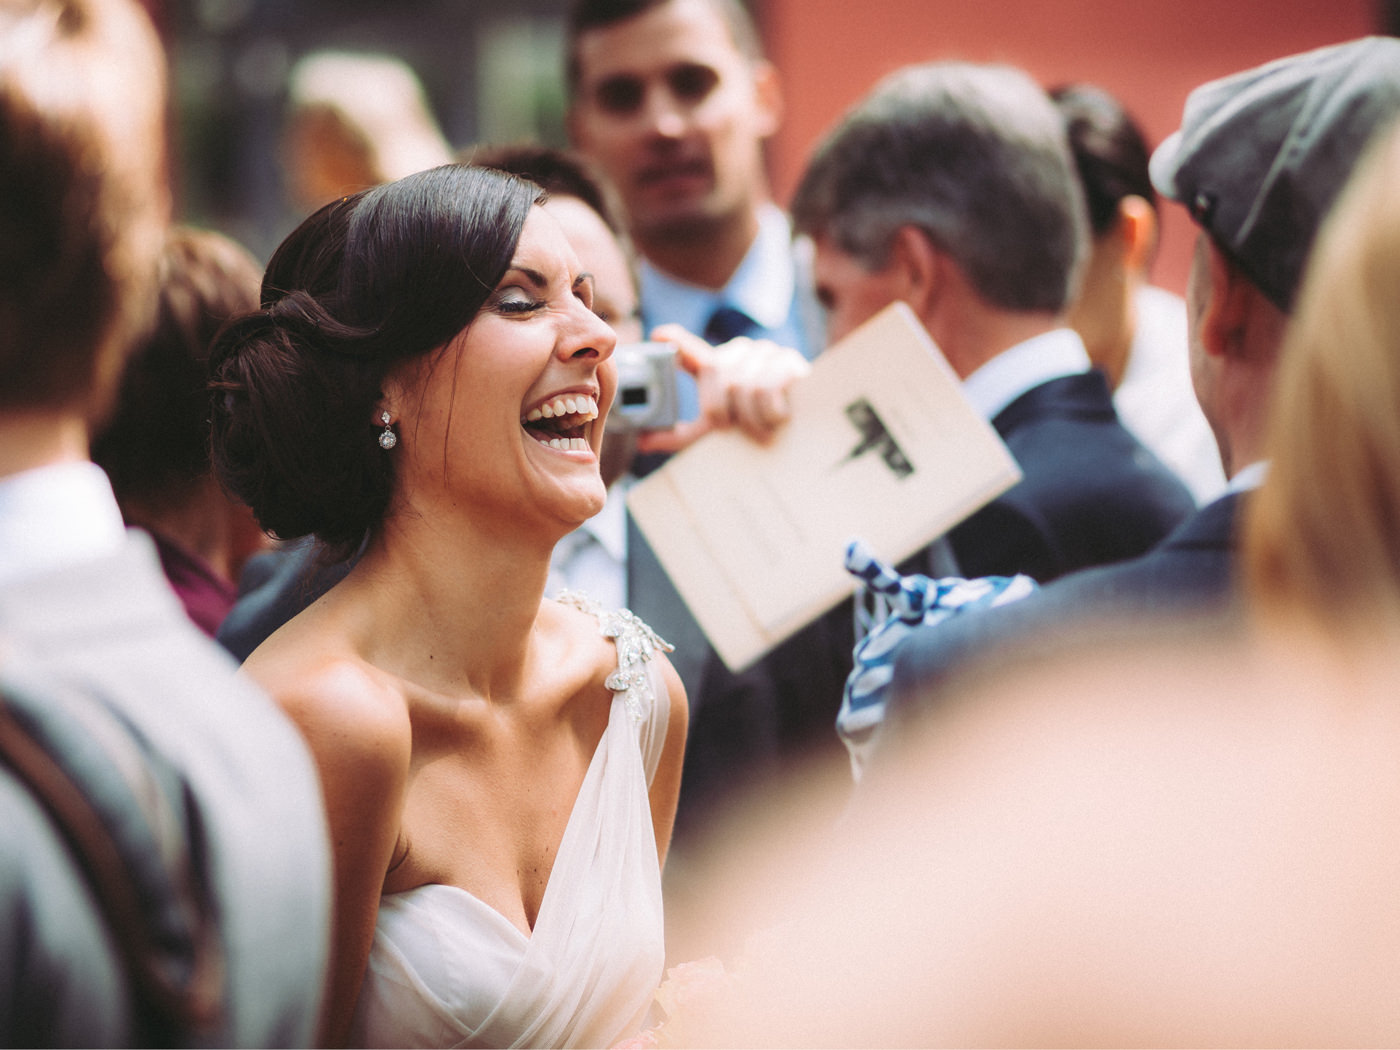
(588, 337)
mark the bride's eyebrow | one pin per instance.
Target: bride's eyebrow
(533, 276)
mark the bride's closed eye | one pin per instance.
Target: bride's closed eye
(515, 300)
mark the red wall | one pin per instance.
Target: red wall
(1149, 53)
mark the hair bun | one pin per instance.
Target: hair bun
(297, 311)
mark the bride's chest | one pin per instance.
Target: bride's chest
(487, 816)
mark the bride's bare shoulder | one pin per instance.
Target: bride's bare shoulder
(575, 626)
(610, 637)
(331, 692)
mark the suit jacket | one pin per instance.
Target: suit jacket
(109, 635)
(1090, 494)
(1190, 573)
(748, 727)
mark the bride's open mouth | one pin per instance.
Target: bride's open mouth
(564, 422)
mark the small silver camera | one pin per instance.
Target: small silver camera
(646, 386)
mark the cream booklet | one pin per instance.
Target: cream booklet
(882, 446)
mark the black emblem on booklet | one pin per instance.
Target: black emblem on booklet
(876, 437)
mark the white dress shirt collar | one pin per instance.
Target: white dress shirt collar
(55, 516)
(761, 287)
(1249, 477)
(1026, 365)
(609, 525)
(592, 559)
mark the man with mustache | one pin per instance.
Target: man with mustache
(673, 100)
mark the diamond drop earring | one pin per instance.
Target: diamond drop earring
(387, 438)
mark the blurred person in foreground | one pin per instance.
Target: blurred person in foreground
(1259, 159)
(1134, 332)
(165, 871)
(155, 448)
(1192, 840)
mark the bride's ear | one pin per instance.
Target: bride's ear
(385, 412)
(393, 397)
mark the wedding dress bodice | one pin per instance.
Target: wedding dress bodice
(446, 969)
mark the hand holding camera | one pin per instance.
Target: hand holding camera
(743, 383)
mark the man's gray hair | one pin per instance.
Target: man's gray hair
(976, 157)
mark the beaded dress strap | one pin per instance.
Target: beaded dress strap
(635, 643)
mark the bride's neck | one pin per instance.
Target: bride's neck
(459, 604)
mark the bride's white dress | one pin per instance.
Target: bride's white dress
(447, 970)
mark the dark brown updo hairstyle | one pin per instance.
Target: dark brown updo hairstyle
(371, 280)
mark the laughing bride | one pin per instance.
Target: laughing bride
(428, 382)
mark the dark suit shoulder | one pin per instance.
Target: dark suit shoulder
(1190, 573)
(1090, 493)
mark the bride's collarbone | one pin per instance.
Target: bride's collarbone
(564, 695)
(478, 759)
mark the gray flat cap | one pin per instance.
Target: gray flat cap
(1261, 155)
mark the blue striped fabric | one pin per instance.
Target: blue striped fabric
(902, 604)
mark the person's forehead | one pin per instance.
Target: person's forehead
(543, 245)
(595, 245)
(677, 32)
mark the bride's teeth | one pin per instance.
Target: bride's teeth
(568, 444)
(576, 405)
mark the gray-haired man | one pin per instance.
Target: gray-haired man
(951, 187)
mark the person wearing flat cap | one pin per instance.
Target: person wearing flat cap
(1258, 160)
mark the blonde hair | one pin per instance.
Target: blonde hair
(1322, 538)
(355, 121)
